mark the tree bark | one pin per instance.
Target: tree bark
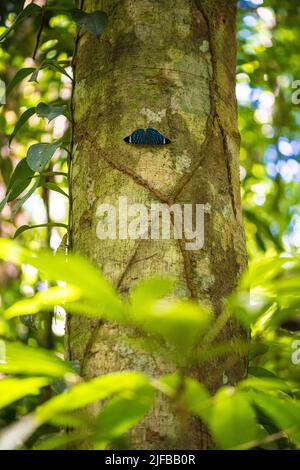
(167, 64)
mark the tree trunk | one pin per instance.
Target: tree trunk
(167, 64)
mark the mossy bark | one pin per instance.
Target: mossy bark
(168, 64)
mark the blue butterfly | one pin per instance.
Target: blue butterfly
(149, 136)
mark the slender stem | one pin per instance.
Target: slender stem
(45, 196)
(51, 173)
(270, 438)
(72, 131)
(70, 241)
(39, 34)
(47, 333)
(52, 224)
(67, 150)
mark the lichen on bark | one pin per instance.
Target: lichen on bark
(168, 64)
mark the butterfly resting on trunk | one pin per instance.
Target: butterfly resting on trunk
(147, 136)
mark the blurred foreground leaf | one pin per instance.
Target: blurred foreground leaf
(26, 360)
(12, 389)
(233, 420)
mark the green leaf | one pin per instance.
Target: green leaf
(38, 155)
(19, 181)
(257, 349)
(233, 421)
(75, 271)
(26, 196)
(52, 65)
(50, 111)
(23, 118)
(121, 413)
(18, 187)
(284, 413)
(12, 252)
(25, 360)
(20, 75)
(78, 272)
(264, 227)
(180, 322)
(263, 270)
(261, 372)
(2, 203)
(79, 420)
(96, 389)
(24, 228)
(12, 389)
(94, 22)
(6, 169)
(29, 10)
(78, 397)
(43, 300)
(150, 290)
(266, 383)
(21, 229)
(22, 172)
(56, 188)
(59, 440)
(191, 395)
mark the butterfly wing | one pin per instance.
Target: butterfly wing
(150, 137)
(137, 137)
(153, 137)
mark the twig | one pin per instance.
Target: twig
(268, 439)
(39, 34)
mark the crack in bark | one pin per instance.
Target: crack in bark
(213, 81)
(165, 69)
(127, 171)
(212, 115)
(93, 336)
(168, 199)
(146, 258)
(129, 263)
(213, 92)
(187, 264)
(228, 166)
(187, 178)
(89, 345)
